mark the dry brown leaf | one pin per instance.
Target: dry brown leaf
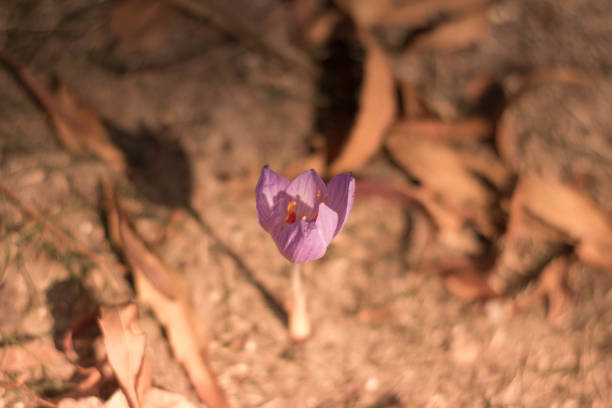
(420, 13)
(413, 107)
(487, 164)
(572, 213)
(465, 277)
(80, 130)
(453, 35)
(474, 90)
(155, 398)
(186, 333)
(158, 398)
(365, 13)
(440, 167)
(188, 339)
(124, 238)
(141, 24)
(505, 139)
(321, 29)
(153, 268)
(443, 171)
(89, 402)
(373, 315)
(553, 285)
(468, 129)
(125, 344)
(449, 224)
(377, 106)
(468, 285)
(78, 125)
(29, 358)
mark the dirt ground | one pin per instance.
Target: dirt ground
(386, 334)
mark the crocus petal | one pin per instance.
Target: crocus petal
(326, 223)
(340, 197)
(301, 242)
(267, 191)
(304, 190)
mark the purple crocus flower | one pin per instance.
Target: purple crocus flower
(304, 215)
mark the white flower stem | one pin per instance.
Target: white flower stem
(296, 278)
(299, 322)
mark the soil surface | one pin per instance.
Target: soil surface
(385, 334)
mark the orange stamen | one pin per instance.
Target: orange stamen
(291, 216)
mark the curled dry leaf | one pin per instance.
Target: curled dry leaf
(439, 219)
(377, 106)
(445, 172)
(465, 130)
(125, 344)
(28, 359)
(484, 162)
(572, 213)
(168, 295)
(466, 277)
(411, 101)
(155, 398)
(374, 315)
(141, 24)
(321, 28)
(552, 284)
(366, 13)
(84, 130)
(420, 13)
(453, 35)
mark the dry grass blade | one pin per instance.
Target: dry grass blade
(125, 347)
(187, 335)
(377, 106)
(572, 213)
(64, 238)
(77, 128)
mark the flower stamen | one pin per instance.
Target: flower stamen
(291, 216)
